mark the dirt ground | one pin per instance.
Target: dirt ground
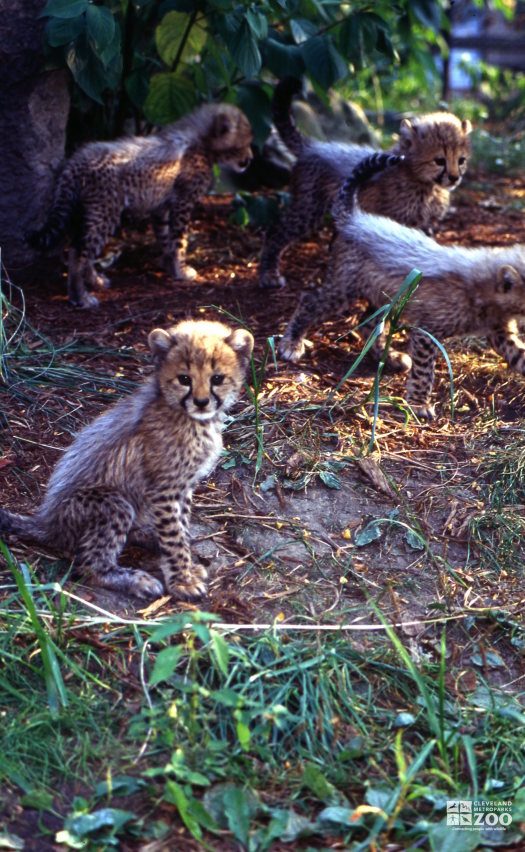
(318, 529)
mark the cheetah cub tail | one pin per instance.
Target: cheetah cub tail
(346, 201)
(282, 116)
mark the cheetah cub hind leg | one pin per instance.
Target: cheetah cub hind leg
(132, 580)
(106, 521)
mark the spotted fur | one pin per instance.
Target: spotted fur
(416, 192)
(134, 468)
(162, 175)
(463, 291)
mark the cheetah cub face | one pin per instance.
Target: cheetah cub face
(231, 139)
(201, 373)
(437, 147)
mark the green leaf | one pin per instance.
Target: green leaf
(40, 800)
(302, 29)
(230, 461)
(282, 59)
(330, 479)
(11, 841)
(255, 103)
(170, 628)
(86, 824)
(244, 50)
(350, 40)
(446, 838)
(137, 87)
(369, 533)
(65, 8)
(202, 632)
(238, 813)
(170, 33)
(428, 12)
(258, 23)
(220, 650)
(56, 691)
(414, 540)
(122, 785)
(165, 664)
(89, 71)
(227, 697)
(170, 97)
(297, 827)
(518, 806)
(100, 26)
(243, 735)
(337, 814)
(61, 31)
(378, 797)
(314, 779)
(215, 802)
(175, 795)
(323, 62)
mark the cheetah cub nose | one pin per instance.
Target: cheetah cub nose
(201, 403)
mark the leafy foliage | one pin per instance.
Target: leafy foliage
(157, 60)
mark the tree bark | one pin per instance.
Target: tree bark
(34, 108)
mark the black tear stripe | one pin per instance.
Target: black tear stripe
(216, 397)
(440, 177)
(184, 399)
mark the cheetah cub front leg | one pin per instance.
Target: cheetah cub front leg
(170, 231)
(421, 377)
(182, 579)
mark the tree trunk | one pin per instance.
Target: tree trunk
(34, 107)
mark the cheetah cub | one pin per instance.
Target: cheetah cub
(415, 191)
(464, 291)
(134, 468)
(162, 175)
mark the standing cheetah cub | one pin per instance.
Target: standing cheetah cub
(134, 468)
(464, 291)
(415, 191)
(162, 175)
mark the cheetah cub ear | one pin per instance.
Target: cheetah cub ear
(466, 126)
(508, 277)
(222, 124)
(407, 132)
(160, 341)
(241, 341)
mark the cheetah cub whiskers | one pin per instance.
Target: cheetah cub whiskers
(162, 175)
(415, 191)
(463, 291)
(133, 470)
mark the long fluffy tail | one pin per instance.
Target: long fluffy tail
(66, 199)
(21, 525)
(346, 200)
(282, 116)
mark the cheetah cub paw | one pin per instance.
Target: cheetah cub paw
(189, 587)
(423, 411)
(272, 281)
(399, 362)
(290, 350)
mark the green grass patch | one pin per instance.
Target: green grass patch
(264, 736)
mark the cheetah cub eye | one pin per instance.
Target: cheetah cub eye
(217, 379)
(184, 380)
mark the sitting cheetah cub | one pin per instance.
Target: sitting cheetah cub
(474, 291)
(415, 191)
(162, 175)
(134, 468)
